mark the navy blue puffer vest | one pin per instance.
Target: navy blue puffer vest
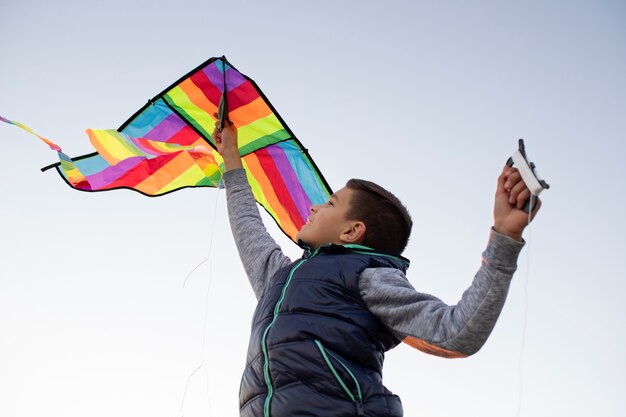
(315, 349)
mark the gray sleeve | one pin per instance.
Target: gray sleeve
(260, 254)
(430, 325)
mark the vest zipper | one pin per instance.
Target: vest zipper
(266, 364)
(358, 399)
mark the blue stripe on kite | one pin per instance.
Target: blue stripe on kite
(91, 165)
(311, 183)
(148, 119)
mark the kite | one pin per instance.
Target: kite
(167, 145)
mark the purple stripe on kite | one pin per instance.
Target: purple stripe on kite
(108, 175)
(214, 75)
(233, 78)
(298, 195)
(168, 127)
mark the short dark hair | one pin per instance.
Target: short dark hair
(387, 221)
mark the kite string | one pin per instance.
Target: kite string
(525, 314)
(202, 365)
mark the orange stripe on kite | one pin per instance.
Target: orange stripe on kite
(204, 160)
(256, 170)
(249, 113)
(197, 97)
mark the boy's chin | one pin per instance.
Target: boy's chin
(302, 237)
(302, 233)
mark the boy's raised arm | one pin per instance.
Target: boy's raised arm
(427, 323)
(260, 254)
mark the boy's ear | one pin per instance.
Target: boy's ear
(353, 233)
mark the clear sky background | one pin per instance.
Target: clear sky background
(426, 98)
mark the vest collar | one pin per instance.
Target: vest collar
(350, 248)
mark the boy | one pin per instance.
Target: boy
(324, 322)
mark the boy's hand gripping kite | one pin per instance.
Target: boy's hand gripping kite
(529, 175)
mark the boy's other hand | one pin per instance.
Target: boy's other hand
(227, 145)
(511, 195)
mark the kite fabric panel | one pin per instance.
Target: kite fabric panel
(167, 145)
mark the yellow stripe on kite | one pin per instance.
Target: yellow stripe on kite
(192, 176)
(192, 101)
(112, 146)
(257, 129)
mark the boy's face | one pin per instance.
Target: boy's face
(328, 222)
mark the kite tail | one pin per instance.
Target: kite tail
(73, 174)
(51, 144)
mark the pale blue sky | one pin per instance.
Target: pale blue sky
(426, 98)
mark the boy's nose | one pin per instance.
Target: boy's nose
(313, 209)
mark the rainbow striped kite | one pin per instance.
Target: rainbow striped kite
(167, 145)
